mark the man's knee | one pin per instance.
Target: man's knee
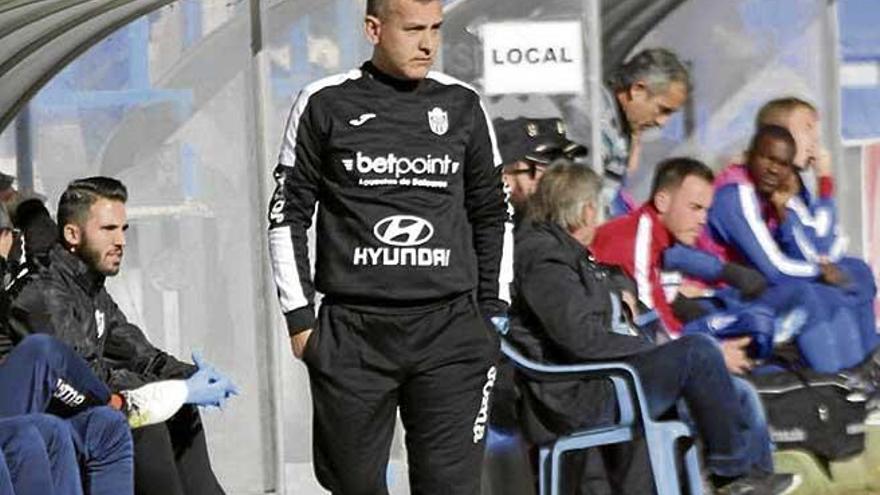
(55, 431)
(701, 344)
(24, 443)
(38, 347)
(49, 425)
(106, 433)
(806, 295)
(349, 470)
(861, 275)
(750, 400)
(352, 481)
(703, 353)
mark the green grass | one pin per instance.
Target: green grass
(859, 475)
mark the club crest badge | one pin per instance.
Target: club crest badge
(438, 119)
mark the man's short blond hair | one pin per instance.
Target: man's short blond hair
(375, 7)
(776, 112)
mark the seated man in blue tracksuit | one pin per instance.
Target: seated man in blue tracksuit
(26, 466)
(745, 223)
(809, 229)
(5, 478)
(41, 375)
(808, 232)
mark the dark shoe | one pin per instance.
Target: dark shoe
(864, 378)
(858, 382)
(762, 484)
(869, 369)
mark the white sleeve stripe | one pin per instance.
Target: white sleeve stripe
(496, 153)
(450, 81)
(838, 249)
(284, 269)
(642, 261)
(287, 156)
(823, 221)
(820, 222)
(784, 264)
(671, 283)
(801, 211)
(804, 245)
(505, 272)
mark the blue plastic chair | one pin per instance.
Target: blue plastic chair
(660, 436)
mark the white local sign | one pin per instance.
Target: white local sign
(533, 57)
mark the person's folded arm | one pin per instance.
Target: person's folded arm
(574, 315)
(735, 217)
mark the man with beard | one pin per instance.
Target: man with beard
(528, 146)
(745, 223)
(68, 299)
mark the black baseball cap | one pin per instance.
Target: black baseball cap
(535, 140)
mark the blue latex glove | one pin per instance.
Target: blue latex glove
(208, 387)
(502, 324)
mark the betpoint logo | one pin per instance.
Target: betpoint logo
(398, 166)
(403, 230)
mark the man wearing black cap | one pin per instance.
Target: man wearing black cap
(527, 147)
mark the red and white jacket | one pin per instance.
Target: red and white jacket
(635, 242)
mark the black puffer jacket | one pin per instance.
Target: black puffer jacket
(29, 252)
(68, 300)
(562, 314)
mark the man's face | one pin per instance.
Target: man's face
(683, 210)
(590, 220)
(405, 37)
(645, 109)
(803, 124)
(522, 178)
(102, 238)
(770, 164)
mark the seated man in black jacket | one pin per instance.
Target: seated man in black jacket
(562, 314)
(67, 298)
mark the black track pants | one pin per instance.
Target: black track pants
(435, 363)
(171, 458)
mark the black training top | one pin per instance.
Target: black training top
(407, 179)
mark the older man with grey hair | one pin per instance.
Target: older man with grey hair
(567, 309)
(641, 94)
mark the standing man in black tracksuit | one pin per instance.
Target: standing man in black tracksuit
(410, 228)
